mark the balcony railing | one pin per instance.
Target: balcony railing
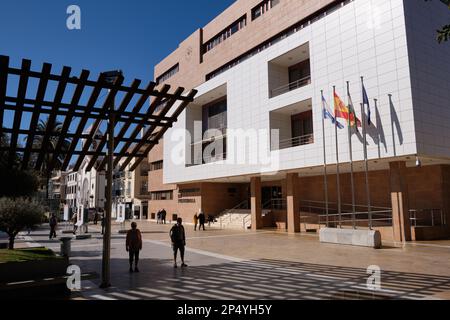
(295, 142)
(290, 86)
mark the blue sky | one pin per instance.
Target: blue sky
(131, 35)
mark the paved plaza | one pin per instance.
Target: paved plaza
(269, 264)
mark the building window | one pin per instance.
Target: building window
(302, 124)
(225, 34)
(263, 7)
(162, 195)
(279, 37)
(168, 74)
(158, 165)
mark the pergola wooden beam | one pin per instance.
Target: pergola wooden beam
(21, 93)
(52, 118)
(75, 116)
(46, 69)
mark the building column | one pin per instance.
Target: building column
(445, 192)
(399, 197)
(255, 203)
(293, 203)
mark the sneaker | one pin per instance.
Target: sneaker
(175, 266)
(131, 270)
(136, 269)
(184, 265)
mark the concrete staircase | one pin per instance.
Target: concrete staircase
(238, 219)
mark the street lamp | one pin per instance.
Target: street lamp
(110, 77)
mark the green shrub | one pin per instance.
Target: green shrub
(17, 215)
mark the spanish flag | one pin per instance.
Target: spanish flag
(342, 111)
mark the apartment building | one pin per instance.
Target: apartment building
(130, 193)
(261, 68)
(57, 186)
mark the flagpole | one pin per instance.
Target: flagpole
(338, 183)
(352, 180)
(325, 175)
(366, 162)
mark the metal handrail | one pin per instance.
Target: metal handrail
(427, 217)
(296, 141)
(380, 216)
(275, 204)
(239, 206)
(290, 86)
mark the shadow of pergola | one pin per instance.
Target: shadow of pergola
(270, 280)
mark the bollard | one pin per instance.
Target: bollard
(65, 246)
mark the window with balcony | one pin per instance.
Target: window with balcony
(206, 123)
(292, 126)
(290, 71)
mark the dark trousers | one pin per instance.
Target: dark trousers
(52, 232)
(178, 246)
(134, 255)
(202, 224)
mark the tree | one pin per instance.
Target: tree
(17, 215)
(14, 182)
(444, 33)
(50, 147)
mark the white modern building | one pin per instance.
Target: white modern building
(264, 103)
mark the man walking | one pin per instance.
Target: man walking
(178, 238)
(134, 246)
(103, 222)
(53, 223)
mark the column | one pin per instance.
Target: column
(293, 205)
(255, 203)
(399, 197)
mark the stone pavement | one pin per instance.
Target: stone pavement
(229, 265)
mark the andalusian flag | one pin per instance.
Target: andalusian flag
(342, 111)
(353, 116)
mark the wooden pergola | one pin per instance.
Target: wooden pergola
(133, 127)
(129, 118)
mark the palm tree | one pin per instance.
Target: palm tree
(4, 142)
(444, 33)
(50, 157)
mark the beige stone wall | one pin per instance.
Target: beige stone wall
(192, 72)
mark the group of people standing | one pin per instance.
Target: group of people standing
(161, 216)
(199, 220)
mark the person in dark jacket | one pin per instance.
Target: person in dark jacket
(201, 220)
(53, 223)
(134, 246)
(163, 216)
(103, 222)
(178, 238)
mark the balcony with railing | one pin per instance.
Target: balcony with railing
(289, 71)
(290, 86)
(292, 126)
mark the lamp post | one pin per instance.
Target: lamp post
(110, 77)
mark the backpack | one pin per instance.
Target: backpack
(177, 233)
